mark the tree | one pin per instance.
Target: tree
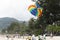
(31, 25)
(50, 15)
(34, 27)
(54, 29)
(54, 10)
(14, 27)
(51, 10)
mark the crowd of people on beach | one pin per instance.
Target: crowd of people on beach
(33, 37)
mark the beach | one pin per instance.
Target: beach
(3, 37)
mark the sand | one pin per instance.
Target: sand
(3, 37)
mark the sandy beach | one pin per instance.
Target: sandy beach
(3, 37)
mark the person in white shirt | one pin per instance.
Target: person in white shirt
(44, 37)
(33, 37)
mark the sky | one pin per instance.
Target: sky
(16, 9)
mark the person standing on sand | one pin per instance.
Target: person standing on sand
(33, 37)
(12, 38)
(44, 37)
(39, 37)
(7, 37)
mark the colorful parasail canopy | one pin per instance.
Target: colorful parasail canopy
(35, 11)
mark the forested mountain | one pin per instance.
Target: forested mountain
(6, 21)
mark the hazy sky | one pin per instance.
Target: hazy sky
(15, 9)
